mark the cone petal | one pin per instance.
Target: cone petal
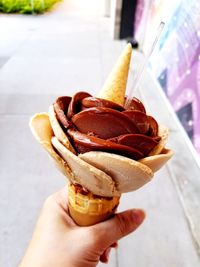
(114, 88)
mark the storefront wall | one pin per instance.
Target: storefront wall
(176, 61)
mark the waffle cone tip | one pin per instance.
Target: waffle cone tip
(114, 88)
(88, 209)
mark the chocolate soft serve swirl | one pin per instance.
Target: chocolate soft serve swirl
(95, 124)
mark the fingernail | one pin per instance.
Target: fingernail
(138, 216)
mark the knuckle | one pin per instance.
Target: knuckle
(94, 237)
(122, 224)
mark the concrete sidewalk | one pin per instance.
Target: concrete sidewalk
(58, 53)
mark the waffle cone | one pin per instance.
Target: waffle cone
(87, 209)
(114, 88)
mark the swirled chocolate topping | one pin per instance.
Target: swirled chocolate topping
(95, 124)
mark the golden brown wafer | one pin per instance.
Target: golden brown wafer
(58, 131)
(42, 131)
(128, 174)
(155, 162)
(114, 88)
(88, 209)
(95, 180)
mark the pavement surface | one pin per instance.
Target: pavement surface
(58, 53)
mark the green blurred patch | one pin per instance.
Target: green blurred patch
(26, 6)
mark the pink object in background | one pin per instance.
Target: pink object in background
(178, 54)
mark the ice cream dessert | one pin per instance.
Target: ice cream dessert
(95, 124)
(102, 147)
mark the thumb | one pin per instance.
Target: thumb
(119, 226)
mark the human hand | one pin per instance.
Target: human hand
(58, 242)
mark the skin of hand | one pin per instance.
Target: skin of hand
(58, 242)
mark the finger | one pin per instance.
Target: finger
(59, 203)
(105, 256)
(62, 198)
(119, 226)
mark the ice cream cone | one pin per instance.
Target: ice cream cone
(87, 209)
(98, 178)
(115, 86)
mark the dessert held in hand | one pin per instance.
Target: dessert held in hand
(103, 148)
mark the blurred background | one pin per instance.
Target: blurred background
(50, 48)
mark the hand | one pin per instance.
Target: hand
(58, 242)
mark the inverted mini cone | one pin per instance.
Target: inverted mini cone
(114, 88)
(87, 209)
